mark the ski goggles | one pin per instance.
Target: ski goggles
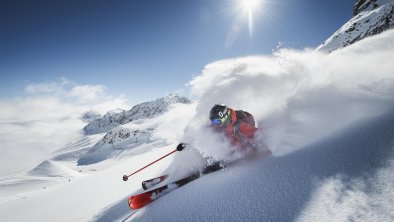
(219, 121)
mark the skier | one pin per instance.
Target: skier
(239, 126)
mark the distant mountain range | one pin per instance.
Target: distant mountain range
(144, 110)
(121, 133)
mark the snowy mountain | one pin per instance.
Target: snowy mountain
(141, 111)
(370, 17)
(114, 142)
(119, 135)
(124, 130)
(367, 5)
(90, 116)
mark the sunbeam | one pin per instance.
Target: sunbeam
(250, 7)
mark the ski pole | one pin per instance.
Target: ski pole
(180, 147)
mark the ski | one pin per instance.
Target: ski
(143, 199)
(147, 184)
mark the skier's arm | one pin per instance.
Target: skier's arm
(243, 132)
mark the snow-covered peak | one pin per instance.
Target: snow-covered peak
(115, 111)
(371, 17)
(144, 110)
(90, 116)
(367, 5)
(114, 142)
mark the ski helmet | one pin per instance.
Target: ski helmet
(219, 115)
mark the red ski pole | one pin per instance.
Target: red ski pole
(180, 147)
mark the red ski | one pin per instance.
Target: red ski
(143, 199)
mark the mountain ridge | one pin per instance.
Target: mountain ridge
(145, 110)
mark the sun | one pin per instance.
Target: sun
(246, 13)
(250, 5)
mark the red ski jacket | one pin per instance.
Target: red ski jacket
(242, 127)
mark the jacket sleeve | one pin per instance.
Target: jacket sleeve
(245, 125)
(245, 117)
(247, 130)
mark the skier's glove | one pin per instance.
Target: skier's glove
(181, 146)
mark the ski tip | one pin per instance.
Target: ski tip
(130, 202)
(139, 201)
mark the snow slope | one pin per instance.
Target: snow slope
(50, 168)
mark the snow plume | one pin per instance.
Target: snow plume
(297, 97)
(45, 119)
(171, 125)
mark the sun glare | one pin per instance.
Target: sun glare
(250, 7)
(250, 4)
(247, 13)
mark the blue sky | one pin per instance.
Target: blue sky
(145, 49)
